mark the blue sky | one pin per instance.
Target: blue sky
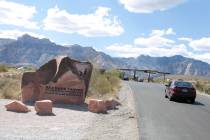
(123, 28)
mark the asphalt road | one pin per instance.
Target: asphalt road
(161, 119)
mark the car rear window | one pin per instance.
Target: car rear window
(183, 84)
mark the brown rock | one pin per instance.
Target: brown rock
(17, 106)
(111, 103)
(44, 107)
(62, 80)
(27, 92)
(97, 106)
(115, 102)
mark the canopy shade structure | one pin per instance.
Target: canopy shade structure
(145, 71)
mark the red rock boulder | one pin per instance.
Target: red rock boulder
(97, 106)
(111, 103)
(44, 107)
(17, 106)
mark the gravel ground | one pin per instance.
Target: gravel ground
(120, 124)
(72, 122)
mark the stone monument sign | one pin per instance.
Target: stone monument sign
(62, 80)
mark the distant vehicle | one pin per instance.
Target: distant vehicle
(141, 79)
(179, 89)
(125, 77)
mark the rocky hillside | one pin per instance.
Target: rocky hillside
(28, 50)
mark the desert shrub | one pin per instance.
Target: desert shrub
(28, 69)
(10, 88)
(207, 91)
(114, 73)
(203, 86)
(160, 80)
(3, 68)
(199, 86)
(104, 83)
(113, 77)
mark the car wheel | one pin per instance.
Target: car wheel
(192, 101)
(170, 98)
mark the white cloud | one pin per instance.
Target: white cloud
(12, 13)
(185, 39)
(149, 6)
(203, 57)
(156, 39)
(99, 23)
(129, 50)
(124, 50)
(14, 34)
(155, 44)
(201, 45)
(168, 31)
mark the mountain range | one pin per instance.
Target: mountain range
(28, 50)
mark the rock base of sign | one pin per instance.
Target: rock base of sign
(17, 106)
(112, 103)
(97, 106)
(44, 107)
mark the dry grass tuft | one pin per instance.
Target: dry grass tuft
(10, 87)
(3, 68)
(203, 86)
(104, 85)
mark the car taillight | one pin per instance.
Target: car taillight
(173, 90)
(176, 89)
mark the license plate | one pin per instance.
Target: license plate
(184, 90)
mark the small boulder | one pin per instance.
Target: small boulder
(44, 107)
(111, 104)
(97, 106)
(117, 103)
(17, 106)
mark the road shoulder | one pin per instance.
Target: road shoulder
(118, 124)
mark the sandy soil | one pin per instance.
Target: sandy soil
(72, 122)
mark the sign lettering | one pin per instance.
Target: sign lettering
(64, 91)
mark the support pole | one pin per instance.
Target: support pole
(134, 76)
(164, 76)
(149, 77)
